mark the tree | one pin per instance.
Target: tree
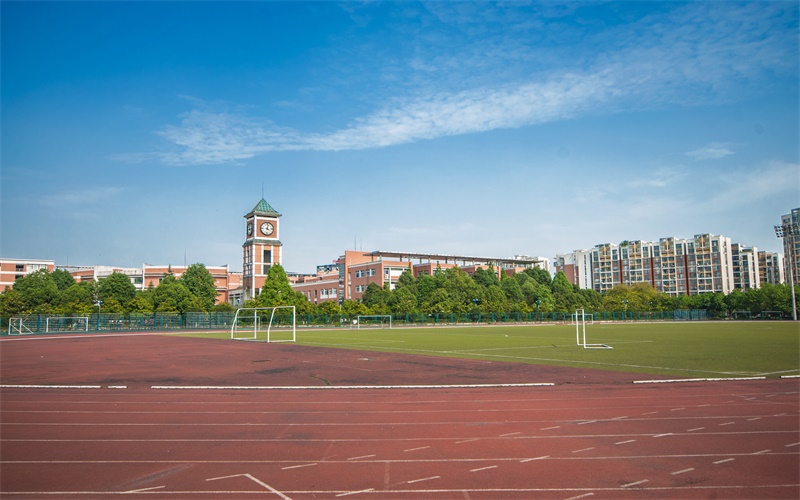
(540, 275)
(171, 296)
(201, 284)
(375, 296)
(460, 287)
(79, 298)
(116, 286)
(278, 292)
(63, 279)
(485, 277)
(403, 301)
(38, 291)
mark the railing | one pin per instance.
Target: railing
(137, 322)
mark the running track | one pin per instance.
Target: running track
(733, 439)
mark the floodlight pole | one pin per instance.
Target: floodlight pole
(790, 230)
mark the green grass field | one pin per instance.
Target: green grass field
(685, 350)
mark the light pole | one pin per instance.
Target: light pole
(790, 230)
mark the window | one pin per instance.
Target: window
(370, 272)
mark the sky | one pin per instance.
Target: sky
(143, 132)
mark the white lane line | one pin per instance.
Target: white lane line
(792, 444)
(780, 415)
(117, 386)
(532, 459)
(417, 449)
(761, 452)
(690, 469)
(587, 422)
(677, 409)
(468, 441)
(550, 428)
(28, 386)
(355, 492)
(723, 461)
(580, 496)
(362, 456)
(727, 423)
(329, 387)
(696, 429)
(510, 434)
(298, 466)
(423, 479)
(626, 442)
(484, 468)
(650, 413)
(753, 419)
(634, 483)
(585, 449)
(676, 381)
(663, 435)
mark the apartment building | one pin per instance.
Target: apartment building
(746, 275)
(675, 266)
(771, 268)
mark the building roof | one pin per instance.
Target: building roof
(263, 208)
(455, 259)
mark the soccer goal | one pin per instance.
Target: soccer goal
(374, 321)
(67, 324)
(270, 324)
(586, 318)
(17, 326)
(580, 326)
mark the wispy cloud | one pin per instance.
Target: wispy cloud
(694, 54)
(79, 198)
(712, 151)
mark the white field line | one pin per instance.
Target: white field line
(331, 387)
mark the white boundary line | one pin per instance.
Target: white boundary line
(330, 387)
(675, 381)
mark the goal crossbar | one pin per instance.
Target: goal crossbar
(67, 324)
(381, 321)
(580, 326)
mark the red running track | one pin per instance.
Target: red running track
(610, 439)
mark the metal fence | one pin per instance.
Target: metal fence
(37, 323)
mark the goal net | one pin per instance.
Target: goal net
(265, 324)
(67, 324)
(18, 326)
(374, 321)
(580, 327)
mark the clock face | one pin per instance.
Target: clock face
(267, 228)
(249, 229)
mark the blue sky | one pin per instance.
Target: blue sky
(138, 132)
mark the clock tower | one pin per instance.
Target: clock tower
(261, 248)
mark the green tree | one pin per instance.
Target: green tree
(461, 288)
(143, 302)
(403, 301)
(485, 277)
(278, 292)
(38, 291)
(375, 296)
(63, 279)
(170, 296)
(353, 308)
(540, 275)
(438, 302)
(116, 286)
(201, 284)
(79, 298)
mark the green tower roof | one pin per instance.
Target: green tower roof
(263, 208)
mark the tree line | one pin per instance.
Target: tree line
(447, 291)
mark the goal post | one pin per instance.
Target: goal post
(17, 326)
(265, 324)
(374, 321)
(66, 324)
(580, 327)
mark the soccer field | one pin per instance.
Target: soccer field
(692, 350)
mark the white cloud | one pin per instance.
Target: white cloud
(712, 151)
(694, 54)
